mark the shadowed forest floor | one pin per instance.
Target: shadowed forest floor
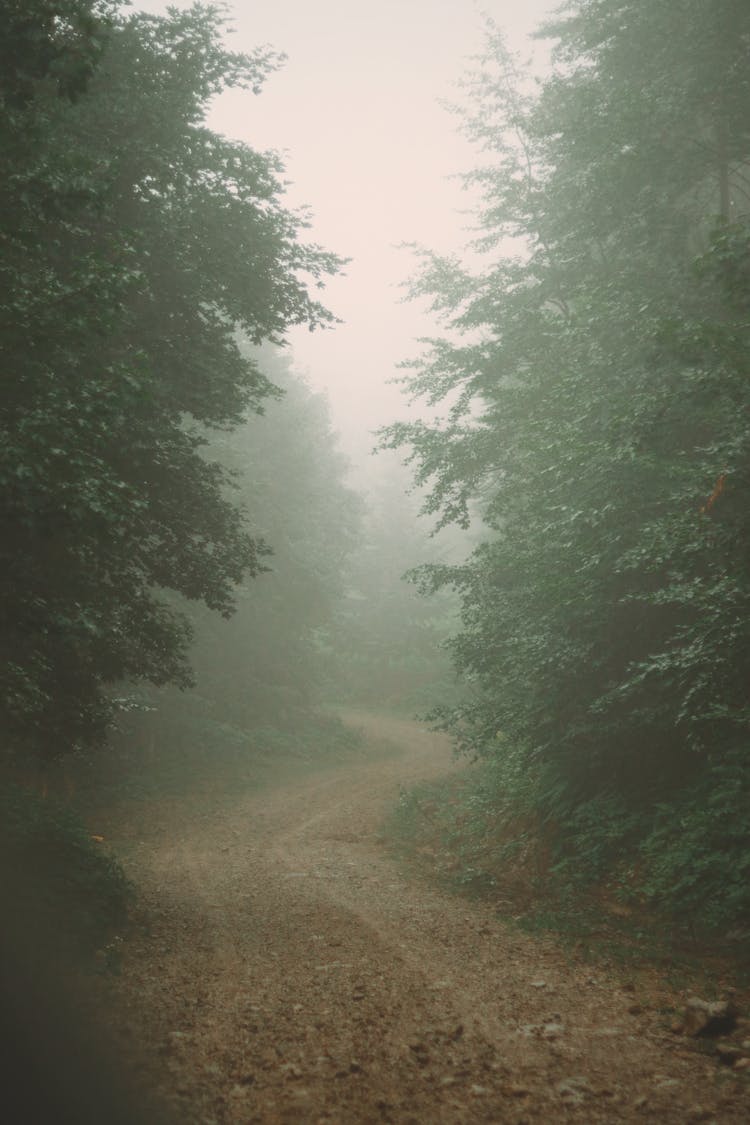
(289, 970)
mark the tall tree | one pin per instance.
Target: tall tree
(599, 408)
(135, 243)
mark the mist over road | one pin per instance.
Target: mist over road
(295, 973)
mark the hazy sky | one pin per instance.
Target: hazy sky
(355, 112)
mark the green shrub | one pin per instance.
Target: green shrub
(592, 843)
(684, 861)
(697, 855)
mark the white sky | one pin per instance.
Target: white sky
(355, 112)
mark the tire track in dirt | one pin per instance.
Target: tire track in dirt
(294, 974)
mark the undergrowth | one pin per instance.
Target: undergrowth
(174, 755)
(661, 886)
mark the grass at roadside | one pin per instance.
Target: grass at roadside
(459, 833)
(61, 879)
(181, 758)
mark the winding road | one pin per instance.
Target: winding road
(294, 973)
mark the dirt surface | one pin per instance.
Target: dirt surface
(294, 973)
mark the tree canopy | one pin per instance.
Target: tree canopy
(135, 244)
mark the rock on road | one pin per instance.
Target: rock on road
(293, 973)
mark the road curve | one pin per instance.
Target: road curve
(293, 973)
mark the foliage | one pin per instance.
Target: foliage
(57, 42)
(135, 242)
(695, 856)
(56, 883)
(593, 377)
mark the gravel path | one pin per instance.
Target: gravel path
(294, 974)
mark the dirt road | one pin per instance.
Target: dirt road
(293, 973)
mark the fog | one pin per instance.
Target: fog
(409, 788)
(357, 113)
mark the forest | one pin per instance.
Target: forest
(514, 663)
(593, 380)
